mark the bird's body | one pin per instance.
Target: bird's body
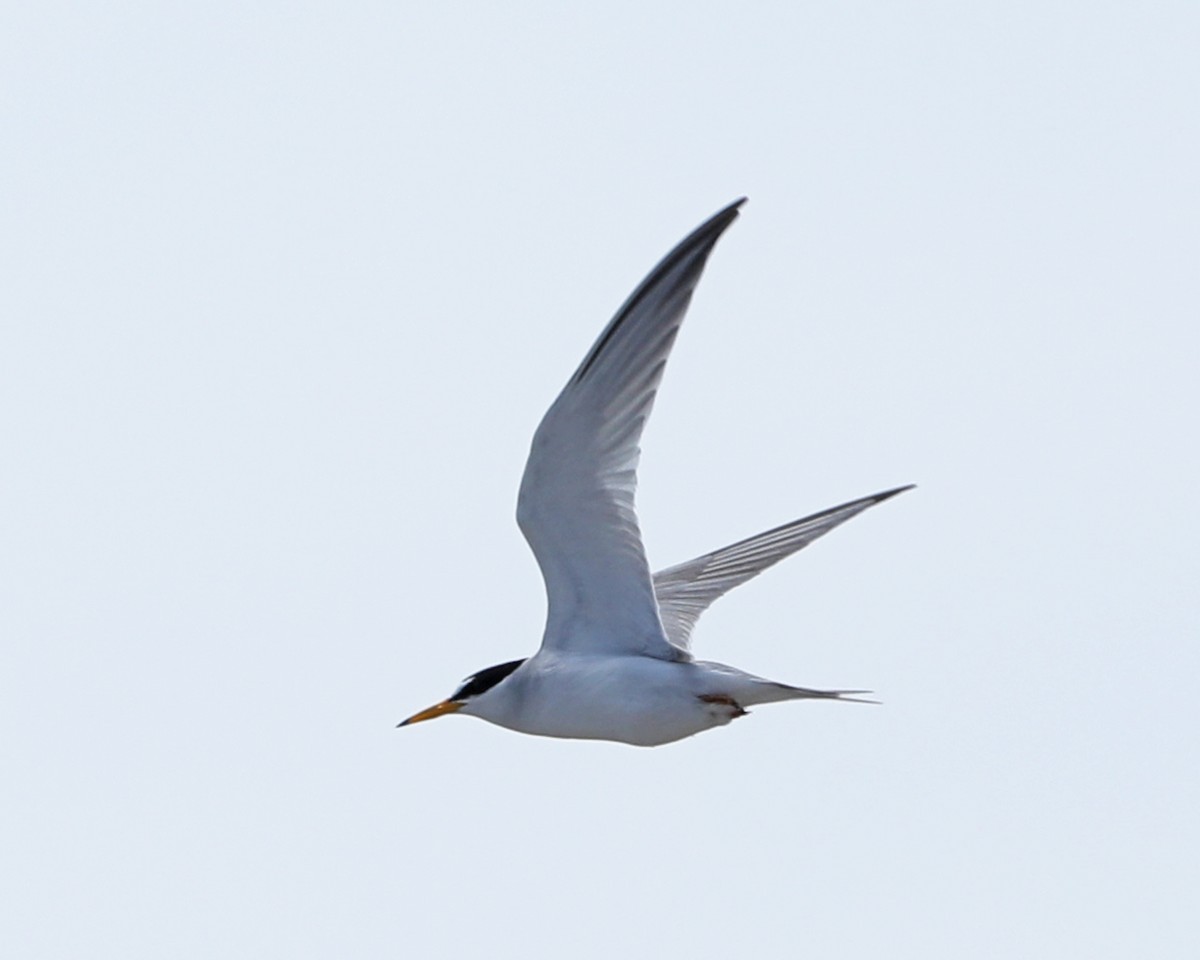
(615, 662)
(640, 700)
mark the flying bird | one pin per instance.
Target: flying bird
(615, 661)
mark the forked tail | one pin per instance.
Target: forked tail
(788, 692)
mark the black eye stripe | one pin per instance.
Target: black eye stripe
(484, 680)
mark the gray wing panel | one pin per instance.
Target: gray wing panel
(686, 590)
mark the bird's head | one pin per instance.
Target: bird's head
(468, 692)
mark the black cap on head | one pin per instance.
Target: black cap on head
(484, 680)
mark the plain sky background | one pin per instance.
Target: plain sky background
(287, 287)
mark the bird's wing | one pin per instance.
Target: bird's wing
(576, 505)
(685, 591)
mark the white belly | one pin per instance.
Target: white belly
(636, 700)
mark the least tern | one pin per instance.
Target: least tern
(615, 663)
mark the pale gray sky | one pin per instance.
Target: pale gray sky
(287, 288)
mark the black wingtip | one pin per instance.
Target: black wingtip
(693, 248)
(727, 213)
(888, 494)
(711, 228)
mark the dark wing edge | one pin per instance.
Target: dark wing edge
(701, 241)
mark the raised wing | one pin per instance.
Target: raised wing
(686, 591)
(576, 506)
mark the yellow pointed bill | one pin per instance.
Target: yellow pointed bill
(437, 710)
